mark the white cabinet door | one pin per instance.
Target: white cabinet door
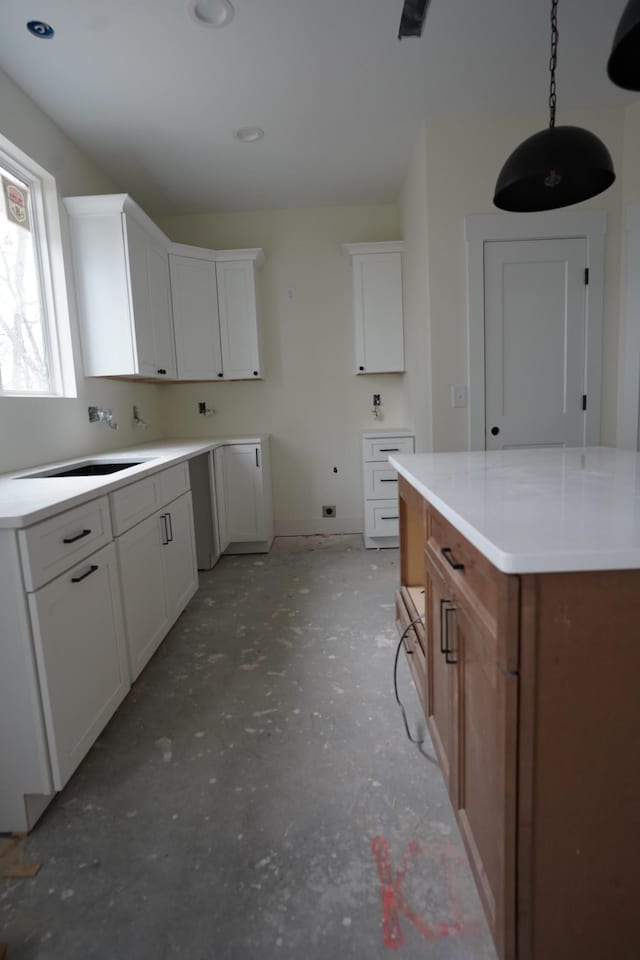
(179, 555)
(238, 320)
(377, 285)
(141, 307)
(221, 502)
(80, 651)
(140, 554)
(161, 314)
(243, 493)
(195, 315)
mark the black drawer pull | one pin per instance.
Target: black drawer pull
(92, 569)
(85, 533)
(390, 518)
(444, 630)
(395, 480)
(389, 449)
(451, 560)
(170, 528)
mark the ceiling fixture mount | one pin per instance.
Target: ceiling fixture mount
(557, 166)
(412, 20)
(38, 28)
(249, 134)
(624, 63)
(211, 13)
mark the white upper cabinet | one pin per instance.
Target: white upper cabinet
(215, 313)
(377, 306)
(122, 278)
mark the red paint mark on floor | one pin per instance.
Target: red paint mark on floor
(396, 905)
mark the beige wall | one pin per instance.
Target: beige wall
(463, 159)
(414, 215)
(34, 430)
(310, 401)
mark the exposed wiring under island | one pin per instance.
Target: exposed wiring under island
(418, 741)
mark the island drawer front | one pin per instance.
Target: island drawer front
(135, 502)
(383, 448)
(382, 518)
(380, 481)
(50, 547)
(490, 594)
(174, 482)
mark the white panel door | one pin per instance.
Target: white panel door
(143, 593)
(378, 313)
(535, 315)
(238, 319)
(141, 310)
(80, 650)
(195, 316)
(179, 555)
(160, 299)
(244, 509)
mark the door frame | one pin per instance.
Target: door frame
(629, 388)
(589, 225)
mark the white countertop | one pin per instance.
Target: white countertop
(25, 500)
(538, 511)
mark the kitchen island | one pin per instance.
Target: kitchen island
(520, 572)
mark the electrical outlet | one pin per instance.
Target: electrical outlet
(328, 511)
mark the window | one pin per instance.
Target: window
(35, 346)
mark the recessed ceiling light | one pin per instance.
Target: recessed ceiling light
(211, 13)
(249, 134)
(40, 29)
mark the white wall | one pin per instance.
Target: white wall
(414, 216)
(34, 430)
(463, 158)
(310, 400)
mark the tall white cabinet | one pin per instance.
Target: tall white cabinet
(215, 313)
(122, 279)
(377, 306)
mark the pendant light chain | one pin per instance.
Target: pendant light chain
(552, 62)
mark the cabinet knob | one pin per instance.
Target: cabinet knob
(255, 373)
(495, 431)
(162, 370)
(219, 374)
(360, 368)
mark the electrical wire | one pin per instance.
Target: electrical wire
(418, 742)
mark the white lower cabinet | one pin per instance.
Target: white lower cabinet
(80, 652)
(158, 573)
(243, 497)
(380, 485)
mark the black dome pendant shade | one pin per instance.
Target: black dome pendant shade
(624, 63)
(554, 168)
(557, 166)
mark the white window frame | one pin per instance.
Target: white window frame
(50, 260)
(485, 228)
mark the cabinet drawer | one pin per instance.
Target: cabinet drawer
(415, 640)
(174, 482)
(491, 597)
(131, 504)
(380, 481)
(381, 518)
(52, 546)
(383, 448)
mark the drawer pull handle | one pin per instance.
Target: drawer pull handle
(444, 630)
(451, 560)
(389, 449)
(390, 518)
(395, 480)
(165, 540)
(85, 533)
(92, 569)
(170, 530)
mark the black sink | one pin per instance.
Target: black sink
(96, 468)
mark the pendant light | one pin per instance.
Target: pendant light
(624, 63)
(557, 166)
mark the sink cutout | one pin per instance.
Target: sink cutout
(95, 468)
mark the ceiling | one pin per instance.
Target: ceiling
(154, 98)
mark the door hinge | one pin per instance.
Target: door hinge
(586, 276)
(584, 401)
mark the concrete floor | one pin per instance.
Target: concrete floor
(255, 795)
